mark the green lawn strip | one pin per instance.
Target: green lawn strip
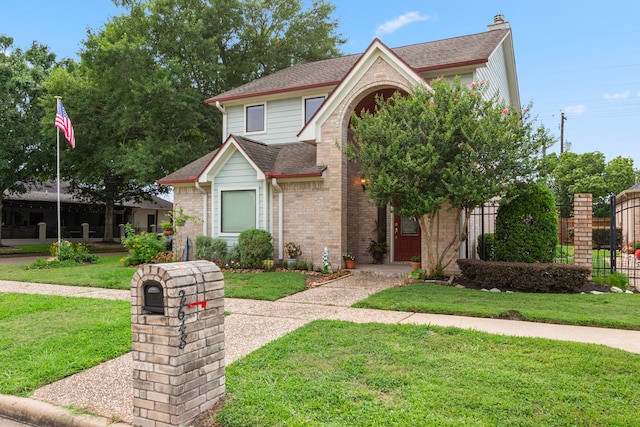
(263, 286)
(609, 310)
(331, 373)
(44, 249)
(39, 248)
(107, 272)
(45, 338)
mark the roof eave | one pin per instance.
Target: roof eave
(270, 92)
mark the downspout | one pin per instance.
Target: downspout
(205, 222)
(274, 183)
(224, 119)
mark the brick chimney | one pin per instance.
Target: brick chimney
(498, 23)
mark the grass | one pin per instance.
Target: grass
(25, 249)
(609, 310)
(43, 248)
(108, 272)
(263, 286)
(46, 338)
(331, 373)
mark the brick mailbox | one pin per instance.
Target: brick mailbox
(177, 320)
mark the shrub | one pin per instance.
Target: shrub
(601, 238)
(143, 248)
(527, 225)
(75, 252)
(525, 277)
(487, 246)
(232, 260)
(211, 249)
(254, 246)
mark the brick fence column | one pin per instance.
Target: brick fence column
(582, 237)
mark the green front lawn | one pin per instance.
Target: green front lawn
(609, 310)
(108, 272)
(46, 338)
(331, 373)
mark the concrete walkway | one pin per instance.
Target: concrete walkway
(106, 389)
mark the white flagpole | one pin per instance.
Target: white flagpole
(58, 98)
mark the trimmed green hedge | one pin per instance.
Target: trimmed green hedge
(527, 225)
(524, 277)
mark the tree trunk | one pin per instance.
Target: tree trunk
(108, 222)
(440, 252)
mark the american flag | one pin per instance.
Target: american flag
(64, 122)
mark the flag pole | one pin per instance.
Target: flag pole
(58, 98)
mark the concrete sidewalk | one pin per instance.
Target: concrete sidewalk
(106, 389)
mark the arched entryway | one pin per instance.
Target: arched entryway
(401, 235)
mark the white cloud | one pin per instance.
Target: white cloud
(399, 22)
(621, 95)
(575, 110)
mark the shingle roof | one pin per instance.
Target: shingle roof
(440, 54)
(48, 192)
(293, 159)
(190, 172)
(282, 160)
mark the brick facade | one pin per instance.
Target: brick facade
(334, 212)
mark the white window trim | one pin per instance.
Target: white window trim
(220, 191)
(304, 106)
(264, 118)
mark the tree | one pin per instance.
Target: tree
(573, 173)
(21, 147)
(444, 148)
(138, 91)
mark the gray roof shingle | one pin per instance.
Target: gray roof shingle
(440, 54)
(281, 160)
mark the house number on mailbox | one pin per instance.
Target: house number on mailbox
(182, 329)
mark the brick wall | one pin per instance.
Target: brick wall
(190, 200)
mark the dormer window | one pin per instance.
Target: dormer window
(311, 105)
(255, 118)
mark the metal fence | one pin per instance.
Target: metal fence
(615, 230)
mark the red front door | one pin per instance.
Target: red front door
(406, 241)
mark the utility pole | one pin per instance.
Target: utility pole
(562, 120)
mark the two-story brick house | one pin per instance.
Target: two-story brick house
(282, 165)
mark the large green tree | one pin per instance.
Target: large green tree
(443, 150)
(137, 94)
(573, 173)
(22, 73)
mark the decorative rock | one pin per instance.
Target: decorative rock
(495, 290)
(628, 292)
(484, 290)
(616, 289)
(596, 293)
(459, 286)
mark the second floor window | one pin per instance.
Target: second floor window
(311, 105)
(254, 118)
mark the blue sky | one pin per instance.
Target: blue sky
(580, 57)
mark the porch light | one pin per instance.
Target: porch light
(364, 181)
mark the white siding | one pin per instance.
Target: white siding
(236, 174)
(284, 121)
(495, 73)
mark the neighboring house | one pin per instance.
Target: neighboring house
(22, 214)
(282, 165)
(628, 214)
